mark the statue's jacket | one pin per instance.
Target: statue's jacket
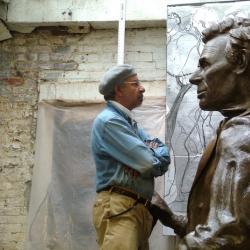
(219, 201)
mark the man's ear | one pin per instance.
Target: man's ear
(118, 90)
(243, 62)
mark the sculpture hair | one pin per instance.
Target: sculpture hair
(238, 29)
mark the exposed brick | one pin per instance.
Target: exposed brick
(139, 56)
(9, 211)
(20, 41)
(31, 41)
(66, 66)
(82, 75)
(92, 57)
(58, 40)
(21, 57)
(143, 65)
(29, 60)
(44, 40)
(15, 228)
(25, 66)
(43, 57)
(45, 49)
(79, 58)
(32, 56)
(92, 66)
(12, 219)
(60, 57)
(20, 49)
(6, 59)
(61, 49)
(50, 75)
(161, 64)
(13, 81)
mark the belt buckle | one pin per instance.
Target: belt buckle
(147, 202)
(138, 196)
(111, 188)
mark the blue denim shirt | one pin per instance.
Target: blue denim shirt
(115, 144)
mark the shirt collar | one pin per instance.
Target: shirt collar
(122, 108)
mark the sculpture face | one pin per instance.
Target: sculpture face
(215, 77)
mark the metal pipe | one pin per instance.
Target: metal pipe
(121, 33)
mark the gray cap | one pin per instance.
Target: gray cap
(115, 75)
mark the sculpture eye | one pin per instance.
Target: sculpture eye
(203, 64)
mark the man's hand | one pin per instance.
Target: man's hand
(152, 143)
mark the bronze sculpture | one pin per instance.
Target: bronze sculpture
(218, 214)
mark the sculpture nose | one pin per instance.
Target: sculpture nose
(195, 78)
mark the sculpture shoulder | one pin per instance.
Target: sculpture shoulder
(238, 121)
(236, 133)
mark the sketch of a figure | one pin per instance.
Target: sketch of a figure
(218, 215)
(188, 128)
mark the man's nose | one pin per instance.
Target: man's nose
(195, 78)
(142, 89)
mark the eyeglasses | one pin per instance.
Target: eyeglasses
(136, 82)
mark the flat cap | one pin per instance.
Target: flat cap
(113, 76)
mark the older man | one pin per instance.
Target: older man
(127, 160)
(218, 215)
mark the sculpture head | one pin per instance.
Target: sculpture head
(223, 72)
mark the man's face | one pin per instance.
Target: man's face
(215, 78)
(131, 93)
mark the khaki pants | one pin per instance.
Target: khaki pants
(128, 231)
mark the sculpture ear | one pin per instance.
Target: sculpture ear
(243, 62)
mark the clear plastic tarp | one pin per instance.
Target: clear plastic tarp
(63, 183)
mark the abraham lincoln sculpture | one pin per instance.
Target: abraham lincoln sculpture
(218, 212)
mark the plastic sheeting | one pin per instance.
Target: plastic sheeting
(63, 183)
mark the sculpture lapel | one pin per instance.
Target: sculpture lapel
(205, 158)
(210, 149)
(208, 153)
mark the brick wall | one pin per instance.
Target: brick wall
(48, 58)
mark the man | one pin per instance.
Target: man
(127, 160)
(218, 214)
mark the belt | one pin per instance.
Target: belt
(128, 193)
